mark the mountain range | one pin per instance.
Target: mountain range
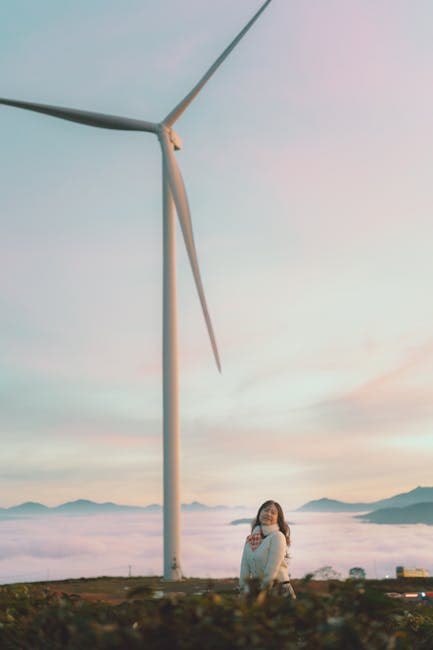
(418, 513)
(387, 509)
(417, 496)
(86, 507)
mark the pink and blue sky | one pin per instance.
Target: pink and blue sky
(307, 161)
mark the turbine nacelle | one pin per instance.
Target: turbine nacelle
(174, 138)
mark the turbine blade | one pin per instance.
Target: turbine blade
(84, 117)
(186, 101)
(177, 188)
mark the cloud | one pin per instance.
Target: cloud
(394, 401)
(59, 547)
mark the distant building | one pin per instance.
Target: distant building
(406, 572)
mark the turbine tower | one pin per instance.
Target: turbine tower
(174, 198)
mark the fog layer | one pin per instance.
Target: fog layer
(59, 547)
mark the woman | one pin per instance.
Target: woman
(265, 555)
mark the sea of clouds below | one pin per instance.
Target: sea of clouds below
(57, 547)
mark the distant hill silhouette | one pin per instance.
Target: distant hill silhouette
(29, 507)
(419, 513)
(418, 495)
(332, 505)
(86, 507)
(83, 506)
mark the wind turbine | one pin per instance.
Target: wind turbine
(174, 196)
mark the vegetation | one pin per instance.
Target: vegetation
(357, 572)
(352, 615)
(326, 573)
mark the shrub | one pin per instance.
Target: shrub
(351, 616)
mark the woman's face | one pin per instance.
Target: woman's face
(268, 515)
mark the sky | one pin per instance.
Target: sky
(306, 160)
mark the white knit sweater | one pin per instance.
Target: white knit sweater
(268, 562)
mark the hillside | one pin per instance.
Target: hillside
(333, 505)
(139, 613)
(418, 495)
(419, 513)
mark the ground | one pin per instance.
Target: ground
(117, 589)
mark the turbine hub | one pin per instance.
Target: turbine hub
(175, 139)
(172, 135)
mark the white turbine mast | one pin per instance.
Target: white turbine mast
(174, 196)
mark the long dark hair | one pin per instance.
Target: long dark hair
(282, 524)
